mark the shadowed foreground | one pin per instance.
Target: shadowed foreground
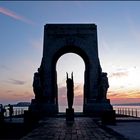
(58, 129)
(14, 129)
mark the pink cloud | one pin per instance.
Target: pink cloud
(78, 95)
(14, 15)
(124, 100)
(78, 100)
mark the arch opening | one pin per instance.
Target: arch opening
(70, 62)
(60, 39)
(81, 53)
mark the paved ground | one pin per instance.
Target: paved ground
(83, 128)
(14, 120)
(130, 130)
(13, 129)
(127, 119)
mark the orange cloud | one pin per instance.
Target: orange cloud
(135, 93)
(78, 89)
(14, 15)
(130, 96)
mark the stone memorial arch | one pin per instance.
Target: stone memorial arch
(58, 40)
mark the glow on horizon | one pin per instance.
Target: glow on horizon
(70, 62)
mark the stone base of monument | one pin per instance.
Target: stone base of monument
(69, 114)
(102, 109)
(31, 118)
(43, 108)
(108, 117)
(96, 108)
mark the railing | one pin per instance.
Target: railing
(16, 112)
(127, 111)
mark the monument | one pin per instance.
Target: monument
(70, 97)
(70, 38)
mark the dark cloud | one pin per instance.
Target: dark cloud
(119, 74)
(4, 67)
(16, 82)
(9, 91)
(113, 95)
(121, 69)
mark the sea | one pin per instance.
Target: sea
(132, 110)
(129, 109)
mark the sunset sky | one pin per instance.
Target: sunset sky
(21, 46)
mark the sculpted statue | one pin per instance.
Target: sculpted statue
(37, 86)
(103, 86)
(70, 91)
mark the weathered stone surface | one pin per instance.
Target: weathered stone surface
(65, 38)
(69, 114)
(59, 129)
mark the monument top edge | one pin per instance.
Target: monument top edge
(70, 25)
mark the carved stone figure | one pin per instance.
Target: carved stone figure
(70, 92)
(104, 85)
(37, 86)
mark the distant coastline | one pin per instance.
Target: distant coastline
(128, 104)
(22, 104)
